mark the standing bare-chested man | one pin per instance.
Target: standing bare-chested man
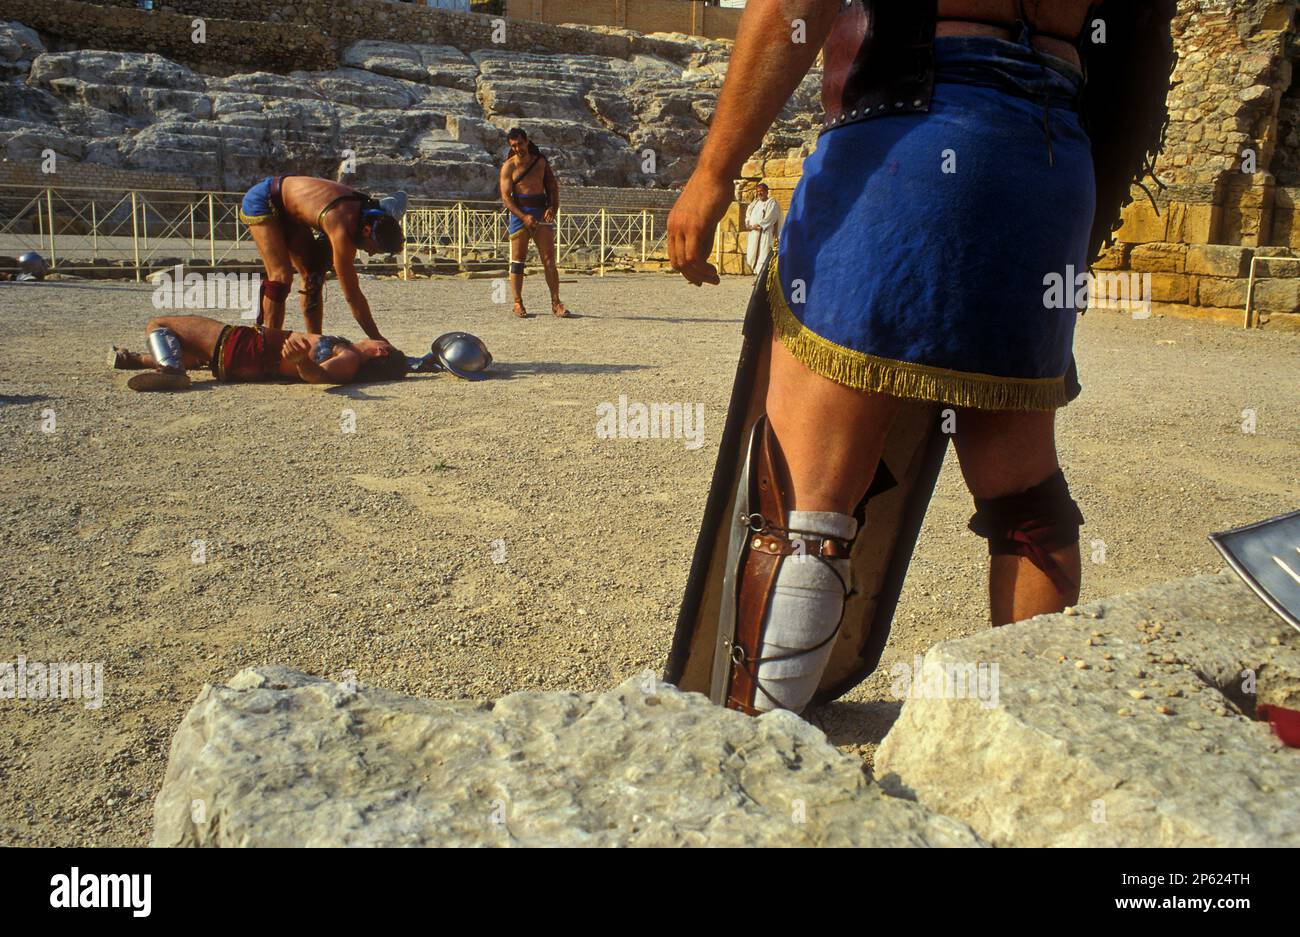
(284, 215)
(531, 193)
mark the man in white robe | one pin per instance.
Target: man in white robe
(763, 222)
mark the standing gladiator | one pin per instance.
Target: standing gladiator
(964, 160)
(310, 225)
(531, 193)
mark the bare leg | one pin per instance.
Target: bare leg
(518, 254)
(545, 238)
(1003, 452)
(274, 250)
(831, 435)
(312, 295)
(311, 298)
(830, 438)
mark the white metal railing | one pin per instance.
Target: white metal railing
(585, 238)
(81, 228)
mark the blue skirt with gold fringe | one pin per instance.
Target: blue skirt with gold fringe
(919, 251)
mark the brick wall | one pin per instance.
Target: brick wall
(1286, 161)
(691, 17)
(1228, 112)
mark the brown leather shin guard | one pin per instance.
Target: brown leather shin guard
(764, 554)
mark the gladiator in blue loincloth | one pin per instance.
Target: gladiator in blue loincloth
(531, 194)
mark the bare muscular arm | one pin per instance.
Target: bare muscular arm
(344, 268)
(552, 193)
(766, 66)
(340, 368)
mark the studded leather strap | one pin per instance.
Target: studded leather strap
(878, 60)
(757, 578)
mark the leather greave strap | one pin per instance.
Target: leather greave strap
(757, 579)
(768, 546)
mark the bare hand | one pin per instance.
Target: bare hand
(296, 349)
(691, 225)
(549, 215)
(529, 222)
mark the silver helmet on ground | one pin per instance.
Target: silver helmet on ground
(33, 265)
(463, 354)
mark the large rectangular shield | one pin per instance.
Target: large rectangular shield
(890, 517)
(1266, 555)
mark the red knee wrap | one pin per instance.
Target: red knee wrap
(275, 291)
(1032, 523)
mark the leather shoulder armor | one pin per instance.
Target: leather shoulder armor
(879, 59)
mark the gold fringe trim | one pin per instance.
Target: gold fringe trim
(904, 379)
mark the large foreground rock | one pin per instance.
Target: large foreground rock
(278, 758)
(1133, 728)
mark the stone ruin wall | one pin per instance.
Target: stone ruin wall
(133, 117)
(1233, 94)
(690, 17)
(316, 30)
(120, 26)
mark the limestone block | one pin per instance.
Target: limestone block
(1142, 225)
(1190, 222)
(1114, 257)
(1170, 287)
(1278, 295)
(1158, 257)
(279, 758)
(1130, 728)
(1218, 260)
(1221, 291)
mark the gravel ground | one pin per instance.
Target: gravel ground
(472, 539)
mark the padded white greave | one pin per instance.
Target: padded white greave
(805, 608)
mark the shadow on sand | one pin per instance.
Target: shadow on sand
(672, 319)
(856, 723)
(509, 370)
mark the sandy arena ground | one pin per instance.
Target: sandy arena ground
(375, 551)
